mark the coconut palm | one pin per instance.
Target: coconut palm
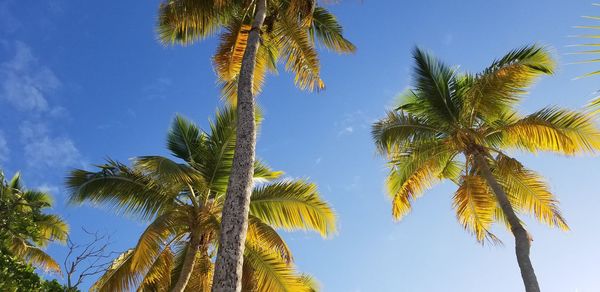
(458, 126)
(255, 36)
(24, 227)
(184, 200)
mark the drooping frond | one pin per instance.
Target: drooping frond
(299, 53)
(158, 278)
(327, 30)
(33, 255)
(168, 225)
(51, 228)
(119, 276)
(201, 278)
(228, 58)
(501, 85)
(411, 174)
(590, 48)
(475, 207)
(187, 21)
(263, 235)
(120, 187)
(528, 192)
(293, 205)
(269, 272)
(552, 129)
(168, 172)
(401, 128)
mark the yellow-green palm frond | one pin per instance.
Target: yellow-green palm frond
(265, 61)
(310, 283)
(399, 127)
(168, 225)
(553, 129)
(475, 207)
(293, 205)
(168, 172)
(33, 255)
(592, 46)
(187, 21)
(201, 278)
(119, 276)
(261, 234)
(411, 174)
(125, 190)
(500, 85)
(269, 272)
(328, 31)
(51, 228)
(158, 277)
(528, 192)
(299, 54)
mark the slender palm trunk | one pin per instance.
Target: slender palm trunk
(234, 223)
(188, 262)
(522, 243)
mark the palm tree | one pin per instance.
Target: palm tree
(457, 126)
(257, 34)
(24, 227)
(184, 201)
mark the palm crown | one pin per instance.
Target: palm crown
(448, 118)
(24, 227)
(184, 202)
(290, 32)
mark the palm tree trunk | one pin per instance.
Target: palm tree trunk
(522, 243)
(234, 223)
(188, 262)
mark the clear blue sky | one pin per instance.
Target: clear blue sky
(84, 80)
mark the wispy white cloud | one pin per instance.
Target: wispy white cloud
(25, 83)
(8, 22)
(4, 151)
(352, 122)
(44, 150)
(158, 89)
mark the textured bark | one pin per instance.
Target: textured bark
(188, 263)
(522, 243)
(234, 223)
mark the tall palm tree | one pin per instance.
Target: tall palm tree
(24, 227)
(257, 34)
(457, 126)
(184, 200)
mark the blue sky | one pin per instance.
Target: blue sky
(84, 80)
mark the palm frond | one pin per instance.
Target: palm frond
(33, 255)
(328, 31)
(293, 205)
(270, 272)
(158, 277)
(503, 83)
(553, 129)
(263, 235)
(528, 192)
(475, 207)
(119, 276)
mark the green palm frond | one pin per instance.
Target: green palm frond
(329, 32)
(591, 35)
(125, 190)
(503, 83)
(185, 140)
(51, 228)
(434, 93)
(293, 205)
